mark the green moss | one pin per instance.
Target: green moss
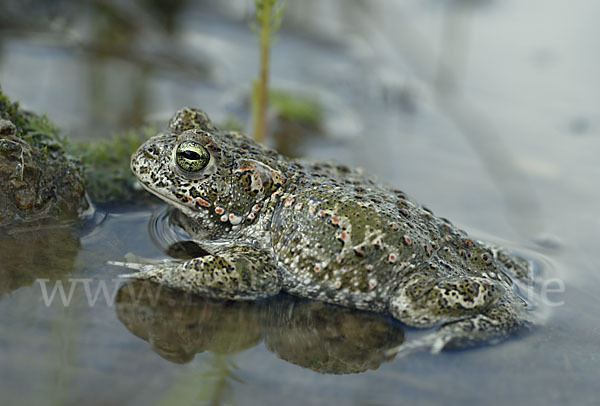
(296, 108)
(9, 110)
(106, 165)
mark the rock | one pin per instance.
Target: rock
(39, 181)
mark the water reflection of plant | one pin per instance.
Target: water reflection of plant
(207, 384)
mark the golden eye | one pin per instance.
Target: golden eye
(191, 156)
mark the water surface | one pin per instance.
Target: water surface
(484, 111)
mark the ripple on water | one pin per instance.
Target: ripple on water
(543, 292)
(168, 236)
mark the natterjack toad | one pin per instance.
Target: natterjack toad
(321, 231)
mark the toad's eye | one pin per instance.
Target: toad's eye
(191, 156)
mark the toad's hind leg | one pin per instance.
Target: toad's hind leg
(422, 303)
(499, 322)
(237, 273)
(470, 311)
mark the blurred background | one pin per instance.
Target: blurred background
(496, 92)
(487, 111)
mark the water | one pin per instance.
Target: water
(486, 113)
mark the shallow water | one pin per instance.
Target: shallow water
(501, 137)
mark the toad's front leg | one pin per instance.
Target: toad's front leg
(233, 272)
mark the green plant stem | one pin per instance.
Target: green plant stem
(260, 95)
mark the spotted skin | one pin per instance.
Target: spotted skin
(323, 231)
(239, 273)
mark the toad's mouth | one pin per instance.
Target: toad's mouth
(178, 204)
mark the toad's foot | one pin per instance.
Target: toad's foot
(491, 327)
(237, 273)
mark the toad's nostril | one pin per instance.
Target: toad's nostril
(150, 151)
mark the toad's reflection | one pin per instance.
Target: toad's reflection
(323, 337)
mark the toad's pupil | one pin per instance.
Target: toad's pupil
(191, 155)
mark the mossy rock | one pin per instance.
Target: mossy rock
(39, 180)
